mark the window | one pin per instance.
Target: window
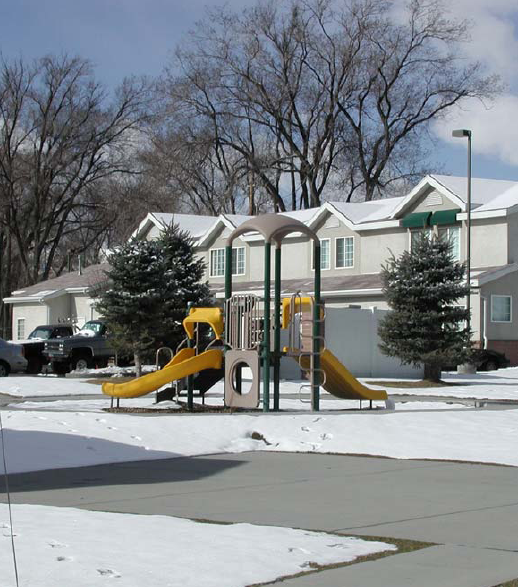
(217, 262)
(501, 307)
(344, 252)
(452, 234)
(415, 236)
(20, 328)
(238, 261)
(325, 254)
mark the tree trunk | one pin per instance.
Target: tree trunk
(432, 372)
(138, 364)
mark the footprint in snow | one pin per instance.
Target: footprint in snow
(108, 573)
(101, 420)
(56, 544)
(41, 418)
(326, 436)
(305, 429)
(111, 428)
(136, 438)
(63, 558)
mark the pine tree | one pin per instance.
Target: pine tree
(426, 325)
(183, 274)
(152, 283)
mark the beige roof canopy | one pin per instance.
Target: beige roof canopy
(273, 227)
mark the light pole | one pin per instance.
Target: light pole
(461, 133)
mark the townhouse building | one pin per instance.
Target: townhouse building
(356, 240)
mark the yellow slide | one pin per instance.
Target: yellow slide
(340, 382)
(184, 363)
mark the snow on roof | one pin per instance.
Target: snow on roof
(486, 194)
(237, 219)
(302, 215)
(371, 211)
(506, 200)
(483, 191)
(193, 224)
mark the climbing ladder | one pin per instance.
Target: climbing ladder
(300, 336)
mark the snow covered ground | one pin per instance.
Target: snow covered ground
(77, 432)
(68, 432)
(73, 547)
(501, 384)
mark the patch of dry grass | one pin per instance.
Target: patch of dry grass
(421, 384)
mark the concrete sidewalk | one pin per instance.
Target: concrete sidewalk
(469, 511)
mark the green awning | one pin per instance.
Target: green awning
(416, 220)
(444, 217)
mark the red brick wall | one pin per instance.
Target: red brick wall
(508, 347)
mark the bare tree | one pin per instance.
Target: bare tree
(59, 138)
(411, 72)
(310, 93)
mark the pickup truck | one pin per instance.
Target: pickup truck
(90, 347)
(34, 346)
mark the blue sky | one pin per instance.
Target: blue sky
(124, 37)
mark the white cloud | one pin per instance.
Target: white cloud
(494, 38)
(494, 42)
(495, 132)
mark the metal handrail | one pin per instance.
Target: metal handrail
(163, 348)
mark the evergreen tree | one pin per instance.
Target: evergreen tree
(183, 274)
(426, 326)
(152, 283)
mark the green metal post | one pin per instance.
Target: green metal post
(277, 330)
(228, 272)
(228, 286)
(315, 383)
(190, 378)
(266, 337)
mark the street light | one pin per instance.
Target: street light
(461, 133)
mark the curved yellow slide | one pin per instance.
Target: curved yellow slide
(340, 382)
(184, 363)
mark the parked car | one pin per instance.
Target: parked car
(90, 347)
(11, 358)
(485, 360)
(35, 344)
(489, 360)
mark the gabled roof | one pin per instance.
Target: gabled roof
(68, 282)
(194, 224)
(487, 274)
(230, 221)
(486, 194)
(490, 197)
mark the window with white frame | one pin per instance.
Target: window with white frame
(325, 254)
(451, 235)
(501, 309)
(20, 328)
(344, 253)
(238, 261)
(217, 262)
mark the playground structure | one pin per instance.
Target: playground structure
(244, 330)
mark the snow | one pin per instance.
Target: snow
(74, 431)
(85, 549)
(45, 386)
